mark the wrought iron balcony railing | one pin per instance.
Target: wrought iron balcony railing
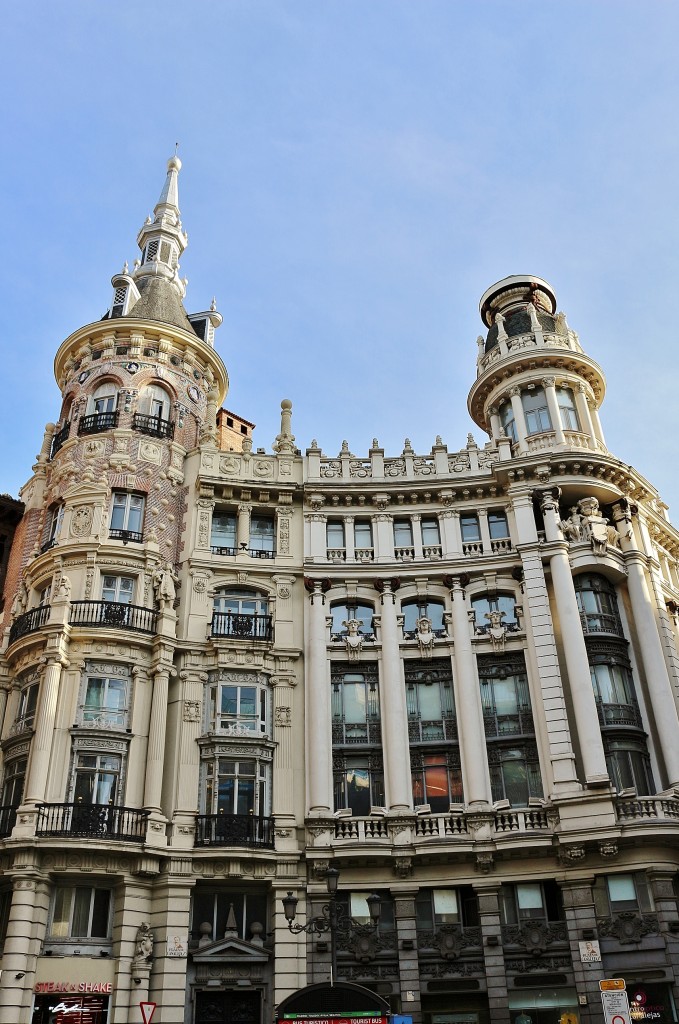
(8, 817)
(619, 714)
(601, 622)
(92, 821)
(518, 724)
(242, 626)
(155, 426)
(113, 614)
(221, 550)
(234, 830)
(422, 731)
(29, 622)
(98, 421)
(126, 536)
(60, 438)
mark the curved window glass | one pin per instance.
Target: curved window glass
(598, 604)
(508, 422)
(567, 410)
(536, 411)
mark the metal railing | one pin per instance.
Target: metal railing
(29, 622)
(242, 626)
(97, 422)
(113, 614)
(92, 821)
(619, 714)
(216, 550)
(126, 536)
(8, 817)
(601, 622)
(234, 830)
(60, 438)
(154, 426)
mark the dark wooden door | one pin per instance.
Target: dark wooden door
(235, 1007)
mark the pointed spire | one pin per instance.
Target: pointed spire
(162, 239)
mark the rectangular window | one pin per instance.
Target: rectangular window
(28, 702)
(97, 779)
(469, 525)
(238, 707)
(334, 533)
(236, 787)
(359, 784)
(127, 516)
(117, 589)
(53, 527)
(536, 411)
(403, 533)
(262, 534)
(13, 783)
(216, 908)
(497, 525)
(106, 702)
(355, 704)
(567, 410)
(430, 532)
(81, 912)
(223, 533)
(435, 908)
(616, 894)
(530, 901)
(363, 534)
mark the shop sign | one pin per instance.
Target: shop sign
(73, 986)
(345, 1018)
(590, 952)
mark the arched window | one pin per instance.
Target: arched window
(102, 409)
(419, 608)
(154, 412)
(241, 613)
(598, 604)
(485, 604)
(347, 610)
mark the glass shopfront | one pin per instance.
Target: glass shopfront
(544, 1006)
(651, 1002)
(59, 1008)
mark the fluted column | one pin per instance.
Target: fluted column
(574, 649)
(495, 424)
(468, 708)
(318, 708)
(584, 414)
(653, 660)
(44, 731)
(243, 527)
(548, 384)
(596, 423)
(394, 712)
(519, 418)
(383, 534)
(156, 745)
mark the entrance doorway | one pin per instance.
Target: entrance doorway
(233, 1007)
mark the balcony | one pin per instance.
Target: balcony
(647, 808)
(601, 622)
(234, 830)
(420, 731)
(350, 733)
(8, 817)
(126, 536)
(114, 615)
(60, 438)
(154, 426)
(29, 622)
(619, 714)
(518, 724)
(231, 552)
(216, 550)
(98, 421)
(92, 821)
(242, 626)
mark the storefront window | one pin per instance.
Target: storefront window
(544, 1006)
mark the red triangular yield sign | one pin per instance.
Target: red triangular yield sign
(147, 1011)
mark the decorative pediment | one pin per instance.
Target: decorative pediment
(231, 949)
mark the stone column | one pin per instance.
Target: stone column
(488, 896)
(204, 509)
(349, 546)
(578, 902)
(191, 717)
(283, 719)
(408, 966)
(283, 530)
(584, 414)
(484, 531)
(318, 709)
(170, 916)
(383, 535)
(519, 418)
(548, 384)
(451, 535)
(665, 902)
(45, 721)
(596, 423)
(317, 546)
(243, 527)
(416, 520)
(653, 660)
(131, 902)
(574, 649)
(25, 933)
(394, 712)
(155, 754)
(495, 423)
(468, 707)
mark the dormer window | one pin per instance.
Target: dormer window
(151, 251)
(119, 296)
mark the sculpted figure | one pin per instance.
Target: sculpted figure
(144, 942)
(425, 637)
(497, 631)
(20, 600)
(164, 585)
(353, 640)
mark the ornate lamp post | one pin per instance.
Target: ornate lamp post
(333, 918)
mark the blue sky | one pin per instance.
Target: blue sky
(356, 173)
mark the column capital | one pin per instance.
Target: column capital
(548, 382)
(514, 391)
(457, 584)
(549, 499)
(388, 586)
(316, 586)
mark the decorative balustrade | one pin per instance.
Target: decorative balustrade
(601, 622)
(92, 821)
(114, 615)
(29, 622)
(619, 714)
(521, 342)
(646, 808)
(472, 548)
(500, 545)
(234, 830)
(336, 554)
(224, 551)
(361, 829)
(518, 724)
(525, 819)
(364, 554)
(441, 826)
(420, 731)
(404, 554)
(432, 552)
(356, 732)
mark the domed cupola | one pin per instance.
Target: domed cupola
(535, 386)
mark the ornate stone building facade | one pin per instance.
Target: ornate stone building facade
(451, 676)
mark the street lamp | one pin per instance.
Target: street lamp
(333, 917)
